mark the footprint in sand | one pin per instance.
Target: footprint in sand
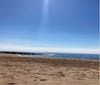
(11, 83)
(43, 79)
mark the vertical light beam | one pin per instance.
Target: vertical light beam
(45, 13)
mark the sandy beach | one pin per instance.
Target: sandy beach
(15, 70)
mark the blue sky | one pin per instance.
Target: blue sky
(49, 23)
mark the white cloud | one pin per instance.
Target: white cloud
(8, 47)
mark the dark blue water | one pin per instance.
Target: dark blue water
(72, 56)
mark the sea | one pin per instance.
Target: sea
(69, 56)
(72, 56)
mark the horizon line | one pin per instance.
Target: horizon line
(24, 48)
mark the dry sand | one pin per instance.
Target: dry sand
(16, 70)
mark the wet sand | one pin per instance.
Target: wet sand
(15, 70)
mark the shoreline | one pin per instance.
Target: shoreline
(38, 58)
(45, 57)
